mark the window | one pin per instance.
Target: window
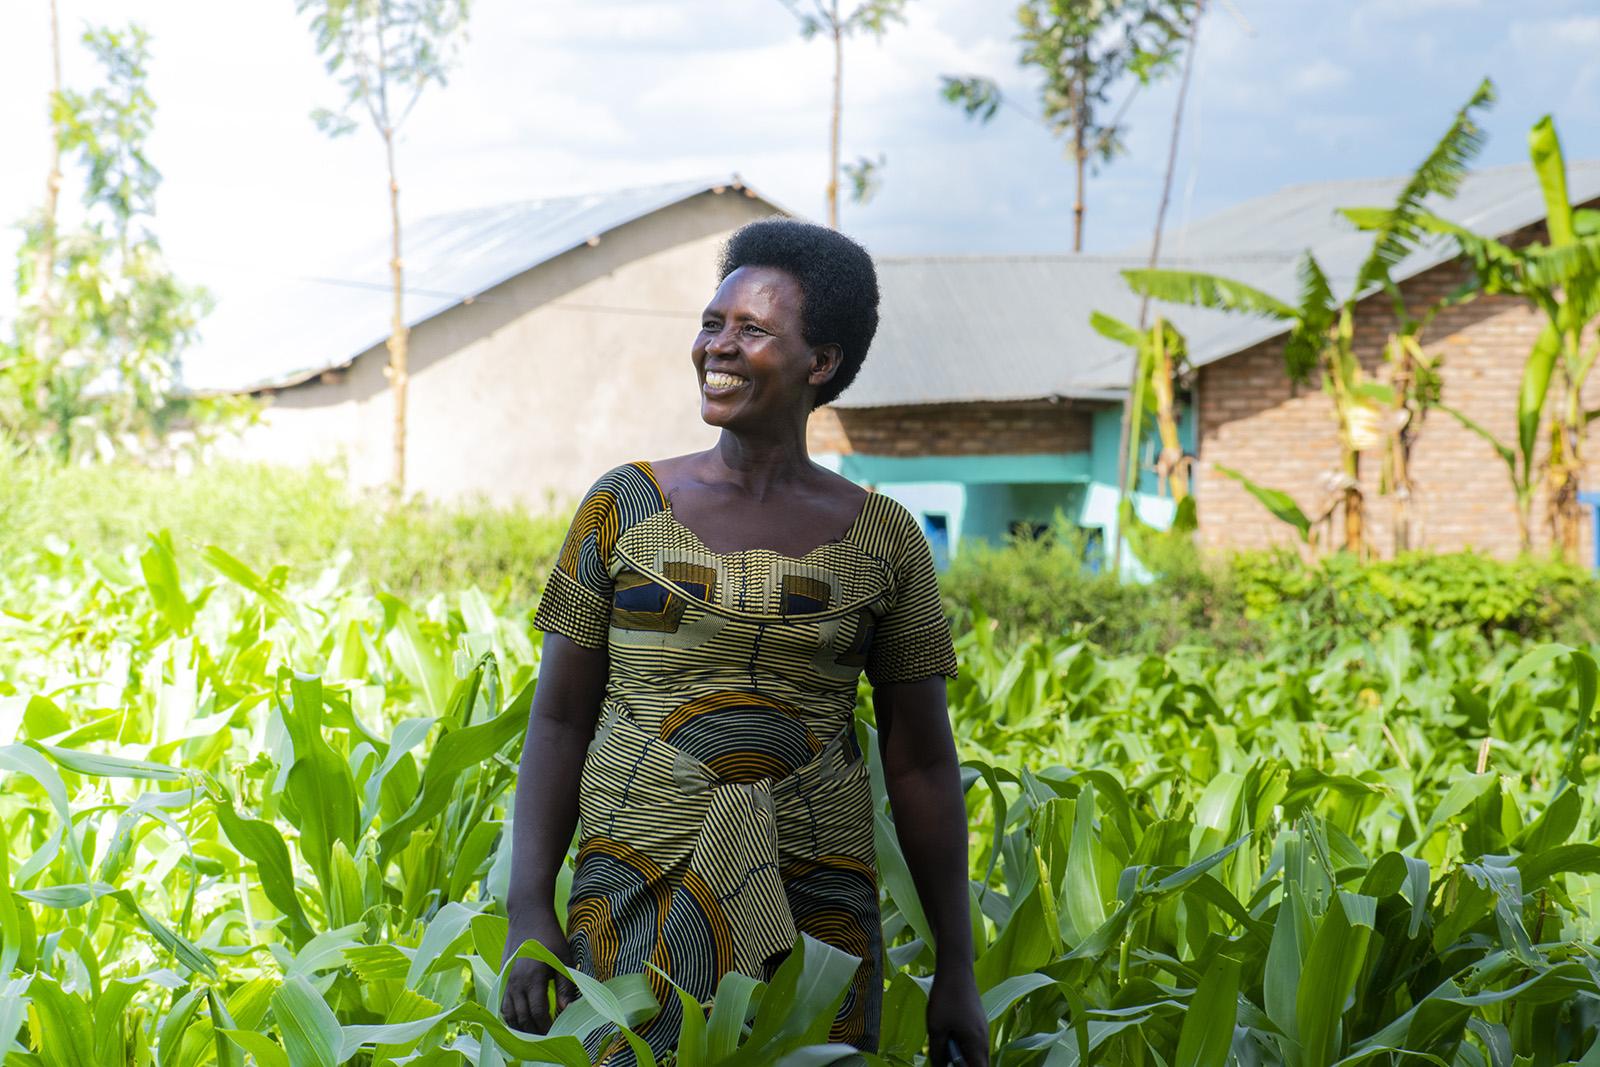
(936, 528)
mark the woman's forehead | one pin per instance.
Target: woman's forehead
(758, 289)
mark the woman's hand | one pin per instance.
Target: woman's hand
(526, 1003)
(955, 1013)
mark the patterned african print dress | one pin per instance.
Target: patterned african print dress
(724, 803)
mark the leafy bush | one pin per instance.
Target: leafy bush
(1045, 586)
(1338, 597)
(301, 518)
(1243, 602)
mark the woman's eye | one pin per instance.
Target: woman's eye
(752, 328)
(709, 327)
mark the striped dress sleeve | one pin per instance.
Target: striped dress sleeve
(576, 602)
(912, 640)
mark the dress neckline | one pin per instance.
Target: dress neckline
(666, 506)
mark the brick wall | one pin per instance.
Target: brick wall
(1250, 420)
(979, 428)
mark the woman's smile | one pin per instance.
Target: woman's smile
(722, 383)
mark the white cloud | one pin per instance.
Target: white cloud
(1319, 75)
(1541, 35)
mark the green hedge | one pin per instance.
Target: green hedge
(305, 518)
(1245, 601)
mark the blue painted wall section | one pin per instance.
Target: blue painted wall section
(961, 498)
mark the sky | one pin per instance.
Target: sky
(554, 97)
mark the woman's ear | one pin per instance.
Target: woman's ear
(825, 363)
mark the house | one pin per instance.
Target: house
(549, 342)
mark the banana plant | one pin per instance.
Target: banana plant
(1561, 279)
(1322, 328)
(1413, 373)
(1162, 355)
(1321, 338)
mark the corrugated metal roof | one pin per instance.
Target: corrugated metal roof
(304, 326)
(1017, 327)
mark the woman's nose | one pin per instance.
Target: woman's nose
(719, 342)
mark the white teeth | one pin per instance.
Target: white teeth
(720, 380)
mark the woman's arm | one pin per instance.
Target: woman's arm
(566, 704)
(923, 779)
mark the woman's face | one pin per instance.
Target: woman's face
(754, 365)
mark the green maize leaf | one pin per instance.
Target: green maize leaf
(79, 894)
(1025, 944)
(1000, 999)
(445, 931)
(241, 575)
(99, 765)
(1460, 796)
(630, 992)
(997, 802)
(818, 1056)
(1335, 956)
(729, 1010)
(597, 996)
(415, 655)
(261, 843)
(265, 1051)
(222, 1020)
(312, 1036)
(14, 1003)
(453, 754)
(1207, 1031)
(319, 785)
(800, 1002)
(904, 1031)
(160, 567)
(110, 1018)
(1554, 825)
(66, 1034)
(21, 759)
(175, 1026)
(1563, 859)
(691, 1043)
(1084, 907)
(408, 734)
(324, 952)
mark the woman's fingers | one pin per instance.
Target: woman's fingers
(566, 993)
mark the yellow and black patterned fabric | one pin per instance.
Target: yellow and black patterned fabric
(724, 803)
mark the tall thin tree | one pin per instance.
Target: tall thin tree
(384, 54)
(1085, 50)
(826, 18)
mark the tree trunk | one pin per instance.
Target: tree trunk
(399, 336)
(1400, 440)
(1354, 534)
(1080, 159)
(45, 262)
(1564, 465)
(1171, 466)
(1155, 255)
(833, 127)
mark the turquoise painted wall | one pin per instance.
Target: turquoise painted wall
(980, 496)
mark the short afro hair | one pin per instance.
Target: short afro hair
(837, 280)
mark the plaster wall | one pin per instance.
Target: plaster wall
(531, 391)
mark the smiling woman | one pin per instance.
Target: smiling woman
(705, 628)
